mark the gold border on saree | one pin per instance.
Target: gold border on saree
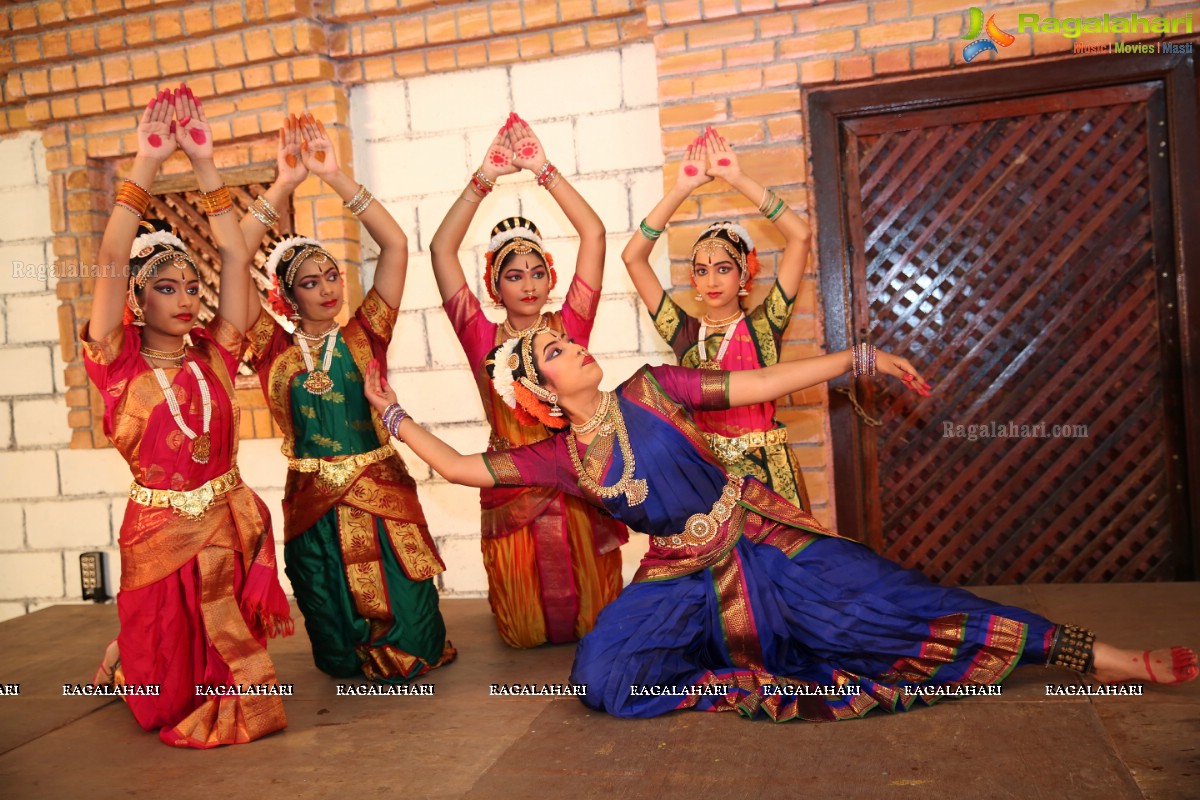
(191, 503)
(730, 449)
(336, 472)
(701, 528)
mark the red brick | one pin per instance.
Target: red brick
(949, 27)
(692, 114)
(116, 99)
(883, 10)
(138, 31)
(230, 50)
(751, 53)
(853, 68)
(440, 27)
(258, 45)
(473, 22)
(505, 16)
(377, 38)
(824, 17)
(763, 104)
(894, 60)
(50, 13)
(201, 57)
(691, 61)
(62, 79)
(718, 9)
(441, 59)
(24, 17)
(783, 129)
(228, 14)
(408, 34)
(669, 41)
(568, 41)
(54, 44)
(82, 40)
(503, 50)
(145, 66)
(602, 34)
(812, 72)
(539, 14)
(167, 25)
(713, 34)
(197, 19)
(91, 103)
(895, 33)
(727, 82)
(815, 45)
(781, 74)
(675, 12)
(535, 46)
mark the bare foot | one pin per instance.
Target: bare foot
(1165, 665)
(106, 672)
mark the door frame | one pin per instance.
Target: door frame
(828, 108)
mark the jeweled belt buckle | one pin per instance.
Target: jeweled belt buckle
(729, 450)
(193, 504)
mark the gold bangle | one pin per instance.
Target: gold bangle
(361, 200)
(218, 201)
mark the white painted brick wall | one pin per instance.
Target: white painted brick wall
(41, 422)
(65, 524)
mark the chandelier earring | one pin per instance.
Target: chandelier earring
(555, 411)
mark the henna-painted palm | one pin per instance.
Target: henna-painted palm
(722, 161)
(316, 149)
(498, 160)
(527, 149)
(691, 169)
(155, 139)
(291, 169)
(192, 131)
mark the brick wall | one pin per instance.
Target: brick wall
(409, 89)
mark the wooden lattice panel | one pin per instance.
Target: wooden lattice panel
(1011, 257)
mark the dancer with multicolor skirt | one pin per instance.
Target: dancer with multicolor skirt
(749, 440)
(199, 590)
(744, 601)
(357, 549)
(552, 561)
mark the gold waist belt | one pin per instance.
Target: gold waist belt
(701, 528)
(731, 449)
(192, 503)
(340, 470)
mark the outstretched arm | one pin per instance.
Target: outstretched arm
(392, 267)
(723, 163)
(194, 137)
(155, 144)
(290, 173)
(444, 247)
(445, 460)
(747, 387)
(528, 153)
(636, 255)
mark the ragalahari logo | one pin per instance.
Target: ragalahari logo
(994, 37)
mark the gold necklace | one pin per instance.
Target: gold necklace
(721, 323)
(315, 337)
(513, 333)
(164, 355)
(596, 419)
(635, 490)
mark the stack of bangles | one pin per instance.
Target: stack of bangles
(393, 415)
(481, 185)
(864, 359)
(133, 198)
(264, 212)
(548, 176)
(216, 202)
(361, 200)
(650, 233)
(772, 206)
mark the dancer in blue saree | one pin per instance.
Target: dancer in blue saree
(744, 601)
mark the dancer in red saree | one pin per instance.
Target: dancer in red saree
(552, 561)
(199, 588)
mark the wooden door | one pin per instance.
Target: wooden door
(1022, 252)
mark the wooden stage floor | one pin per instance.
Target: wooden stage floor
(463, 743)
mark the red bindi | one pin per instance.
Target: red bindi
(690, 170)
(198, 136)
(154, 140)
(724, 162)
(290, 159)
(320, 156)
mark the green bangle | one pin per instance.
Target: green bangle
(777, 211)
(650, 233)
